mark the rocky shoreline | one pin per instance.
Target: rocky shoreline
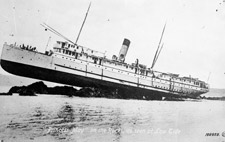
(41, 88)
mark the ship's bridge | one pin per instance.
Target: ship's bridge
(67, 48)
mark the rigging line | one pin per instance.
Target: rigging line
(56, 32)
(83, 24)
(53, 31)
(47, 26)
(60, 36)
(156, 54)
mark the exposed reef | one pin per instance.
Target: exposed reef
(40, 88)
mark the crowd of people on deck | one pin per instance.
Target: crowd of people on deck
(30, 48)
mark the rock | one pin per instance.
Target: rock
(106, 92)
(41, 88)
(173, 99)
(27, 92)
(30, 90)
(38, 87)
(62, 90)
(100, 93)
(5, 94)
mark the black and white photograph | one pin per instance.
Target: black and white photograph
(112, 70)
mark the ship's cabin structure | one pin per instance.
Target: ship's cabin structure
(187, 80)
(99, 58)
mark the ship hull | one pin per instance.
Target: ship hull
(40, 66)
(76, 80)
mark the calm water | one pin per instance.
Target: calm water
(60, 118)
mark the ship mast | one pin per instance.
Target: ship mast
(159, 48)
(47, 27)
(82, 24)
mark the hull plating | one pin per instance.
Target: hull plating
(43, 67)
(71, 79)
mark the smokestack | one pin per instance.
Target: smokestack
(124, 49)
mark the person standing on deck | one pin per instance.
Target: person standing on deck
(136, 65)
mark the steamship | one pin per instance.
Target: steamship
(72, 64)
(80, 66)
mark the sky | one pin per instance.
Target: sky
(193, 40)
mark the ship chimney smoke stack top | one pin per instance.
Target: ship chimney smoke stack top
(124, 49)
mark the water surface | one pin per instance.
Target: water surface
(61, 118)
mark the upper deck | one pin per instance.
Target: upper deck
(90, 56)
